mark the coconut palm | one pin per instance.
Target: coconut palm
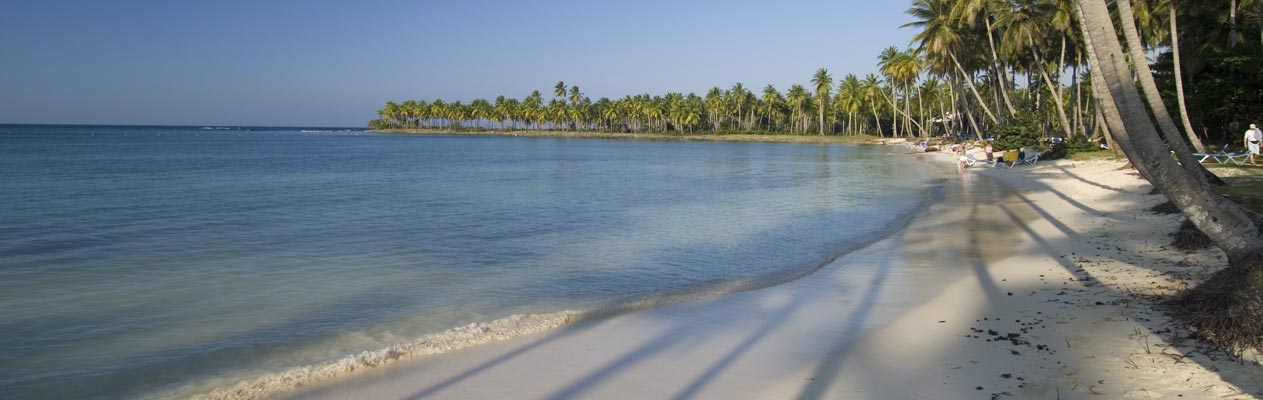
(874, 94)
(1165, 124)
(772, 103)
(824, 85)
(1177, 70)
(1225, 308)
(1026, 30)
(797, 99)
(849, 100)
(983, 14)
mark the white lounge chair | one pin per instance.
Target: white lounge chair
(971, 161)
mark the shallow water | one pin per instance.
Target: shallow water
(134, 260)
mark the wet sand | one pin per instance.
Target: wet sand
(1018, 283)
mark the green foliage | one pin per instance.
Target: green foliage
(1056, 151)
(1221, 90)
(1022, 130)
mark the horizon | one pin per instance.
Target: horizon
(291, 64)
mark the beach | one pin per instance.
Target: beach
(1033, 282)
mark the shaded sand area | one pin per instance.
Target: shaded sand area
(1027, 283)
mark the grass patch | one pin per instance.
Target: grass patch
(1091, 155)
(1244, 186)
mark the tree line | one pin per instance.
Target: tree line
(973, 65)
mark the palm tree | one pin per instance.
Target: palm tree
(797, 98)
(873, 93)
(1225, 308)
(969, 13)
(481, 111)
(850, 98)
(824, 84)
(578, 109)
(1025, 31)
(1145, 76)
(715, 107)
(737, 104)
(533, 113)
(559, 90)
(772, 103)
(1172, 5)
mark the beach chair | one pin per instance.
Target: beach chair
(1203, 157)
(971, 161)
(1028, 160)
(1236, 159)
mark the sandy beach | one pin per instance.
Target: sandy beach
(1032, 283)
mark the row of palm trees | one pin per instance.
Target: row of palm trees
(986, 47)
(798, 110)
(973, 64)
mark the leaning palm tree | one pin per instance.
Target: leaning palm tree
(873, 93)
(942, 34)
(1025, 32)
(1165, 124)
(824, 84)
(1178, 72)
(1228, 307)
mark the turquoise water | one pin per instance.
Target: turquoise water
(139, 260)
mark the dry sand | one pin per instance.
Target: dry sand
(1033, 282)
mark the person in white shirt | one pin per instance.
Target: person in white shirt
(1252, 139)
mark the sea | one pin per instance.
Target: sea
(166, 262)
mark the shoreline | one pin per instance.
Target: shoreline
(1042, 281)
(481, 333)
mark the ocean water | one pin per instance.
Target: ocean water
(143, 261)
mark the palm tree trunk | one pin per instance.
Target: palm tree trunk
(907, 109)
(820, 106)
(1168, 130)
(1078, 95)
(1229, 225)
(1227, 307)
(877, 122)
(969, 115)
(1055, 92)
(1179, 81)
(965, 76)
(1000, 73)
(1232, 13)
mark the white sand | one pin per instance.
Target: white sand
(1066, 262)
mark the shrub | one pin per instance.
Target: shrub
(1056, 151)
(1022, 130)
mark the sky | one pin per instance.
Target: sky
(334, 63)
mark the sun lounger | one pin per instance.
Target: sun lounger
(1029, 160)
(1221, 157)
(971, 161)
(1237, 159)
(1202, 157)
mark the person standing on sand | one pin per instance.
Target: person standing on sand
(1252, 138)
(987, 150)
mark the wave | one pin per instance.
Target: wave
(453, 339)
(479, 333)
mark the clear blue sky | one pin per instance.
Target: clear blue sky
(326, 63)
